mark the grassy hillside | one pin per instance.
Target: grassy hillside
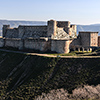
(23, 77)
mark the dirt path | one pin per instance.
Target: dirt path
(47, 55)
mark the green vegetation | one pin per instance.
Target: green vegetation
(73, 53)
(68, 54)
(23, 77)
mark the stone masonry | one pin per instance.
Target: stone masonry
(56, 36)
(99, 41)
(85, 41)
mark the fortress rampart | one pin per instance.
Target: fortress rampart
(58, 36)
(60, 46)
(89, 38)
(99, 41)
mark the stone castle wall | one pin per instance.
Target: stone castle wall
(57, 29)
(32, 31)
(4, 29)
(94, 39)
(72, 30)
(41, 44)
(52, 26)
(12, 42)
(61, 29)
(25, 31)
(11, 33)
(64, 24)
(98, 41)
(1, 42)
(58, 36)
(85, 38)
(29, 37)
(75, 43)
(35, 44)
(60, 46)
(89, 38)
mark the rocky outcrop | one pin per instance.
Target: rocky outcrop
(86, 92)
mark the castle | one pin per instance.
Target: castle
(56, 36)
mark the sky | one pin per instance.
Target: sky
(76, 11)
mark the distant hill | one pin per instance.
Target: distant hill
(12, 23)
(92, 27)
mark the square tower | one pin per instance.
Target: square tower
(4, 29)
(89, 38)
(51, 30)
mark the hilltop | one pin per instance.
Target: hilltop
(25, 76)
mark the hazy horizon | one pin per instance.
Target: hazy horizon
(45, 21)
